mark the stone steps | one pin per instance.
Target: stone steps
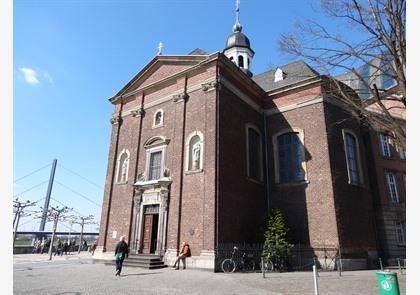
(142, 261)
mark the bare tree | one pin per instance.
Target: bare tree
(370, 47)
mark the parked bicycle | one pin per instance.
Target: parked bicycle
(244, 262)
(272, 263)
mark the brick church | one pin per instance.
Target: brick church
(201, 150)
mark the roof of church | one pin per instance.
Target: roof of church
(293, 73)
(198, 51)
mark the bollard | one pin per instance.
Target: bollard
(315, 266)
(380, 263)
(315, 279)
(263, 267)
(338, 266)
(399, 265)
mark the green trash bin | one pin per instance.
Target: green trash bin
(387, 283)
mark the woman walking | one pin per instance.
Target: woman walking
(121, 251)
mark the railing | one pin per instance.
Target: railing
(299, 257)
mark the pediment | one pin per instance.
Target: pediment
(159, 68)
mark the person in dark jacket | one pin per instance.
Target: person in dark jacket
(121, 251)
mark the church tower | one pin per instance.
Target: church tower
(238, 48)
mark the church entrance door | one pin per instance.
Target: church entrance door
(150, 230)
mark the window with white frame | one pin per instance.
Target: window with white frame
(158, 118)
(155, 165)
(384, 143)
(351, 147)
(122, 166)
(400, 232)
(392, 187)
(289, 155)
(194, 152)
(254, 153)
(155, 157)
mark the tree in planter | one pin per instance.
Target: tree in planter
(275, 236)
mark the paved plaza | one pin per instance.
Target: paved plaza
(78, 274)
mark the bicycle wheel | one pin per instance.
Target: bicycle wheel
(268, 265)
(228, 265)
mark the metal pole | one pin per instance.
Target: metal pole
(81, 235)
(47, 198)
(16, 227)
(263, 266)
(315, 265)
(399, 265)
(380, 263)
(315, 279)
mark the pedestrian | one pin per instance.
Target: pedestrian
(183, 254)
(121, 251)
(58, 249)
(94, 248)
(65, 248)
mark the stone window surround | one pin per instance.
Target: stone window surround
(118, 167)
(256, 129)
(359, 162)
(187, 152)
(161, 120)
(301, 135)
(162, 146)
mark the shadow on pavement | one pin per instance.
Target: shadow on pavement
(141, 274)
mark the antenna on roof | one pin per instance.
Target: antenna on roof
(160, 46)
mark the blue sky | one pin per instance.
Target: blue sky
(70, 56)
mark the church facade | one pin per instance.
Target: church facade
(201, 151)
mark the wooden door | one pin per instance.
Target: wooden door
(147, 233)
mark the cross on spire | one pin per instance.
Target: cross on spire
(160, 46)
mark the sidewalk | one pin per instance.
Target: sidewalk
(25, 258)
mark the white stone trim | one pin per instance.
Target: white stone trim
(255, 128)
(118, 166)
(301, 135)
(296, 105)
(359, 164)
(169, 97)
(187, 151)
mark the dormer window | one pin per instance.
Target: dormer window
(279, 75)
(158, 118)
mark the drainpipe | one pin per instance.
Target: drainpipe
(135, 225)
(216, 172)
(113, 174)
(181, 185)
(267, 182)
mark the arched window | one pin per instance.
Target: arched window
(289, 155)
(240, 61)
(158, 118)
(194, 150)
(123, 162)
(351, 147)
(254, 153)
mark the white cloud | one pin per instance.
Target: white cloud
(30, 75)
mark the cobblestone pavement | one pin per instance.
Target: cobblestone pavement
(78, 274)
